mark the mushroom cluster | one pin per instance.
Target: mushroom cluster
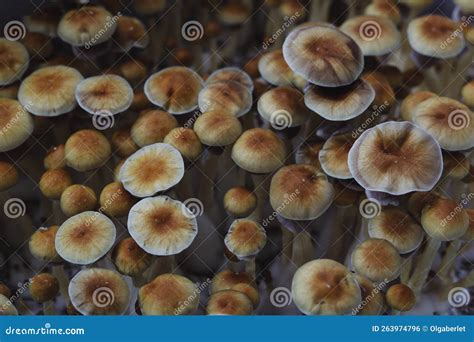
(273, 157)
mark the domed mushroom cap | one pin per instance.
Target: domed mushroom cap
(104, 95)
(231, 97)
(16, 124)
(41, 244)
(274, 69)
(87, 26)
(6, 307)
(342, 103)
(398, 228)
(149, 7)
(435, 36)
(186, 141)
(122, 142)
(129, 258)
(50, 91)
(43, 287)
(283, 107)
(229, 302)
(130, 33)
(325, 287)
(233, 13)
(396, 158)
(227, 279)
(259, 150)
(175, 89)
(467, 93)
(449, 121)
(372, 298)
(8, 175)
(14, 61)
(376, 36)
(410, 103)
(400, 297)
(334, 154)
(85, 237)
(250, 291)
(384, 8)
(115, 200)
(76, 199)
(240, 201)
(86, 150)
(323, 55)
(53, 183)
(245, 238)
(217, 128)
(231, 74)
(376, 259)
(418, 200)
(55, 158)
(99, 291)
(151, 169)
(152, 127)
(161, 225)
(300, 192)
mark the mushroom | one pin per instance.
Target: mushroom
(229, 302)
(384, 8)
(400, 297)
(14, 61)
(131, 260)
(6, 307)
(55, 158)
(123, 144)
(240, 201)
(152, 126)
(230, 74)
(274, 69)
(43, 288)
(130, 33)
(231, 97)
(334, 155)
(115, 201)
(16, 124)
(52, 184)
(77, 199)
(410, 103)
(372, 297)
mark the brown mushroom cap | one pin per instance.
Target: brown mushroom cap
(115, 200)
(418, 200)
(130, 33)
(384, 8)
(41, 244)
(249, 291)
(152, 127)
(456, 165)
(86, 150)
(323, 55)
(308, 153)
(372, 298)
(186, 141)
(334, 154)
(129, 258)
(231, 74)
(16, 124)
(384, 93)
(467, 93)
(123, 144)
(231, 97)
(233, 13)
(240, 201)
(274, 69)
(14, 61)
(149, 7)
(245, 238)
(53, 183)
(216, 128)
(229, 302)
(400, 297)
(76, 199)
(55, 158)
(8, 176)
(43, 287)
(469, 235)
(410, 103)
(227, 279)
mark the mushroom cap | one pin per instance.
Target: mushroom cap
(325, 287)
(43, 287)
(175, 89)
(467, 93)
(323, 55)
(149, 7)
(334, 154)
(384, 8)
(456, 165)
(376, 259)
(55, 158)
(466, 5)
(53, 183)
(169, 294)
(115, 200)
(123, 144)
(344, 196)
(104, 94)
(151, 169)
(8, 175)
(469, 235)
(227, 279)
(186, 141)
(87, 26)
(384, 93)
(130, 33)
(372, 298)
(86, 150)
(14, 61)
(85, 238)
(376, 36)
(342, 103)
(152, 127)
(300, 192)
(233, 13)
(435, 36)
(449, 121)
(99, 291)
(229, 302)
(398, 228)
(274, 69)
(162, 226)
(16, 124)
(217, 128)
(249, 291)
(6, 307)
(76, 199)
(283, 107)
(41, 244)
(129, 258)
(240, 201)
(231, 97)
(50, 91)
(410, 103)
(308, 153)
(418, 200)
(230, 74)
(245, 238)
(259, 150)
(396, 158)
(400, 297)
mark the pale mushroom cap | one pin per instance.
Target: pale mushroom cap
(396, 158)
(274, 69)
(245, 238)
(186, 141)
(85, 238)
(14, 61)
(87, 150)
(376, 259)
(325, 287)
(410, 103)
(342, 103)
(435, 36)
(449, 121)
(398, 228)
(87, 26)
(300, 192)
(161, 225)
(41, 244)
(384, 8)
(175, 89)
(104, 95)
(216, 128)
(151, 169)
(400, 297)
(231, 97)
(229, 302)
(129, 258)
(99, 291)
(240, 201)
(152, 127)
(16, 124)
(6, 307)
(50, 91)
(372, 298)
(334, 154)
(169, 294)
(376, 36)
(323, 55)
(231, 74)
(259, 150)
(227, 279)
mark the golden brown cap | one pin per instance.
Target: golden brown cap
(76, 199)
(115, 200)
(86, 150)
(55, 158)
(227, 279)
(186, 141)
(42, 245)
(217, 128)
(129, 258)
(130, 33)
(240, 201)
(8, 175)
(16, 124)
(123, 143)
(245, 238)
(43, 287)
(400, 297)
(334, 154)
(53, 183)
(384, 8)
(152, 127)
(14, 61)
(410, 103)
(231, 74)
(372, 297)
(249, 291)
(230, 97)
(229, 302)
(274, 69)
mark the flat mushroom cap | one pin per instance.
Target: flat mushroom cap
(342, 103)
(175, 89)
(50, 91)
(376, 36)
(6, 307)
(435, 36)
(259, 150)
(325, 287)
(372, 298)
(449, 121)
(229, 302)
(398, 228)
(274, 69)
(104, 95)
(152, 127)
(99, 291)
(376, 259)
(245, 238)
(151, 169)
(87, 26)
(396, 158)
(85, 238)
(323, 55)
(231, 97)
(16, 124)
(334, 154)
(231, 74)
(300, 192)
(216, 128)
(161, 225)
(14, 60)
(86, 150)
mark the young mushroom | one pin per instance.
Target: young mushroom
(14, 61)
(43, 288)
(231, 97)
(334, 155)
(152, 127)
(240, 202)
(131, 260)
(229, 302)
(76, 199)
(400, 297)
(16, 124)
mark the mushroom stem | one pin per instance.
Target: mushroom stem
(302, 248)
(261, 186)
(250, 267)
(48, 308)
(448, 260)
(423, 265)
(58, 272)
(286, 245)
(406, 269)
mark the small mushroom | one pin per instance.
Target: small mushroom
(229, 302)
(16, 124)
(14, 61)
